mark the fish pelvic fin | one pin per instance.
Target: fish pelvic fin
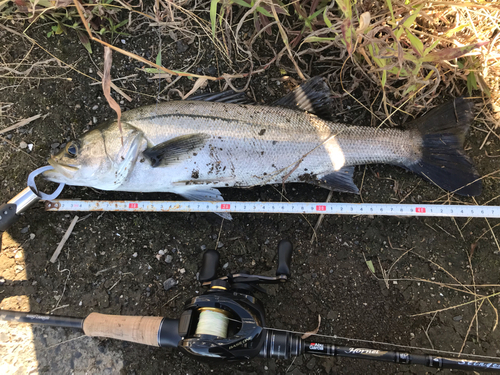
(196, 193)
(340, 180)
(313, 96)
(175, 150)
(443, 160)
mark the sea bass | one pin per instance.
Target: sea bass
(193, 148)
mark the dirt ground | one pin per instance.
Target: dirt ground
(113, 262)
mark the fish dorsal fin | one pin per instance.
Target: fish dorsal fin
(228, 96)
(175, 150)
(313, 96)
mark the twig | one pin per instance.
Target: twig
(64, 239)
(58, 308)
(426, 331)
(320, 219)
(21, 123)
(104, 270)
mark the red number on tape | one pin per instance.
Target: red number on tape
(133, 205)
(320, 208)
(225, 206)
(420, 210)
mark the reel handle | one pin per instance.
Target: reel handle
(209, 264)
(285, 249)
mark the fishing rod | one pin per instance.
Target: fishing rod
(228, 323)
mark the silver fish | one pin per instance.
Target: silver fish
(195, 147)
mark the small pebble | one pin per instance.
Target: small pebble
(23, 144)
(32, 236)
(182, 270)
(55, 145)
(94, 120)
(161, 252)
(81, 303)
(2, 281)
(168, 259)
(158, 256)
(25, 230)
(78, 106)
(30, 146)
(94, 108)
(169, 284)
(457, 318)
(203, 247)
(134, 255)
(219, 245)
(123, 41)
(225, 265)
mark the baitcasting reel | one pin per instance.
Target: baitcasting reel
(227, 321)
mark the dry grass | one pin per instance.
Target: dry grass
(408, 52)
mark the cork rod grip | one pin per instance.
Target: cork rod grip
(139, 329)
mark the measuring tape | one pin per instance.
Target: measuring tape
(278, 208)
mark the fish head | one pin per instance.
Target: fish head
(102, 158)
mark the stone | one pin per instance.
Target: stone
(169, 283)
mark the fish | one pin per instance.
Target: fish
(196, 147)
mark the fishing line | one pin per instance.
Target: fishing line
(213, 322)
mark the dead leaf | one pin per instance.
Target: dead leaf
(310, 333)
(364, 22)
(106, 86)
(473, 247)
(199, 83)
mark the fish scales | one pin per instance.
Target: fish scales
(274, 138)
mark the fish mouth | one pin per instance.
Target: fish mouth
(67, 170)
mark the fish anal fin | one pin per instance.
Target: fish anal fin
(340, 180)
(175, 150)
(313, 96)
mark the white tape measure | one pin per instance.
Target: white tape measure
(278, 208)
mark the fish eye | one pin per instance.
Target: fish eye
(72, 149)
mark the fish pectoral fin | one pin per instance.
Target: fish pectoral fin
(313, 96)
(124, 162)
(175, 150)
(340, 180)
(196, 193)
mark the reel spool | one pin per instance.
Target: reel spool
(212, 322)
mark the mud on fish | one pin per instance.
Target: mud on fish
(193, 148)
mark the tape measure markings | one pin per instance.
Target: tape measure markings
(278, 207)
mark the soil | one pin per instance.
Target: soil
(114, 263)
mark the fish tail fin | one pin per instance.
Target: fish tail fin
(443, 160)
